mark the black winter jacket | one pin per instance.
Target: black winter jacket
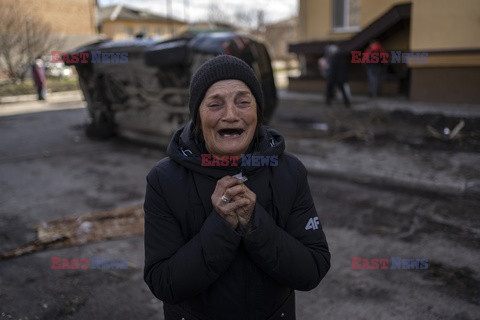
(201, 268)
(337, 69)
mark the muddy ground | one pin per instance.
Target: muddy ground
(49, 170)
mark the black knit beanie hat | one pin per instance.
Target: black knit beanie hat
(223, 67)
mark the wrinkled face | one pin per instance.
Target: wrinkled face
(228, 116)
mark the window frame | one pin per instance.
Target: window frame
(346, 18)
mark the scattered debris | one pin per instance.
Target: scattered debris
(447, 133)
(457, 129)
(90, 227)
(320, 126)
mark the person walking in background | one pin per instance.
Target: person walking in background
(336, 74)
(374, 68)
(38, 74)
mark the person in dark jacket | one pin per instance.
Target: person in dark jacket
(336, 75)
(39, 78)
(374, 68)
(231, 229)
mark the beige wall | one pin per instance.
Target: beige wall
(399, 41)
(435, 24)
(72, 17)
(315, 18)
(445, 24)
(117, 30)
(315, 21)
(277, 36)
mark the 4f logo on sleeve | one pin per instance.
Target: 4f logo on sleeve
(312, 224)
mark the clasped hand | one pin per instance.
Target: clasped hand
(241, 201)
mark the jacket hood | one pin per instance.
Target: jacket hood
(185, 150)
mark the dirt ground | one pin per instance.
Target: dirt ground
(49, 170)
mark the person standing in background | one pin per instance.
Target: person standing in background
(336, 74)
(38, 74)
(374, 68)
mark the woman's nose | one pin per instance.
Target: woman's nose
(231, 112)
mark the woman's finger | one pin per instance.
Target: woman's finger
(223, 184)
(234, 191)
(234, 205)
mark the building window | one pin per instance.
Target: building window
(346, 15)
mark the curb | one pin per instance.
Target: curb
(364, 103)
(33, 97)
(468, 189)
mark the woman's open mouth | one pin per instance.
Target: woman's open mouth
(230, 132)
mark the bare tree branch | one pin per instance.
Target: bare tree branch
(216, 14)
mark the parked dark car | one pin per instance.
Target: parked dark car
(138, 88)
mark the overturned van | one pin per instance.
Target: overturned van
(138, 88)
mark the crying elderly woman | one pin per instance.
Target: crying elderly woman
(230, 241)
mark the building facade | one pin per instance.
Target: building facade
(120, 22)
(277, 36)
(72, 21)
(447, 31)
